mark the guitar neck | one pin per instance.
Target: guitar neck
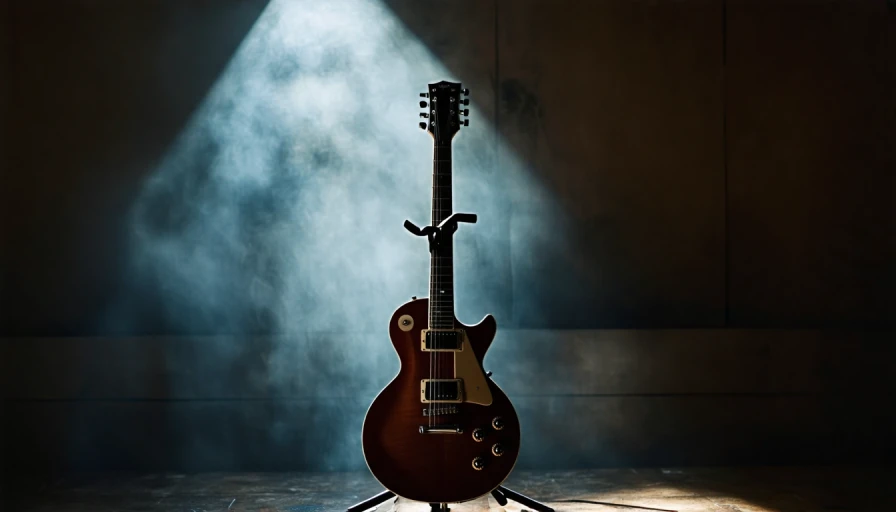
(441, 269)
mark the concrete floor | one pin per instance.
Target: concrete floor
(668, 489)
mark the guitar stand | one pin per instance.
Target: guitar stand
(501, 495)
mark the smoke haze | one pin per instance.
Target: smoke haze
(278, 210)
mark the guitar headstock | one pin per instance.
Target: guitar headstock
(442, 113)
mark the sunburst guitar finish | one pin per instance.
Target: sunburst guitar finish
(438, 467)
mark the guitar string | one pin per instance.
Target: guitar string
(440, 335)
(433, 268)
(440, 258)
(437, 278)
(440, 216)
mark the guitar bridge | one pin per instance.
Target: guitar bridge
(439, 411)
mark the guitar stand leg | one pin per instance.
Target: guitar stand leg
(499, 497)
(507, 494)
(439, 507)
(369, 503)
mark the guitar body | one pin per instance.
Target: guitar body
(437, 467)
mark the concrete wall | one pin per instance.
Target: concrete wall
(810, 178)
(717, 164)
(725, 175)
(4, 131)
(585, 399)
(98, 90)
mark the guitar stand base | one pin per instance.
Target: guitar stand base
(501, 495)
(371, 502)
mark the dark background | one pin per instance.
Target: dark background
(724, 292)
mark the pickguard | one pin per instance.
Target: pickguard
(467, 368)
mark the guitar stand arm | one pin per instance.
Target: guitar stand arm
(437, 234)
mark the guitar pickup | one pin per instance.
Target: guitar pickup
(442, 340)
(441, 391)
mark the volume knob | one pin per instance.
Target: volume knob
(497, 450)
(498, 423)
(478, 463)
(478, 435)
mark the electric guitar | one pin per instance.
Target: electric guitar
(441, 431)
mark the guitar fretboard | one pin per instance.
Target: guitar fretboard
(441, 269)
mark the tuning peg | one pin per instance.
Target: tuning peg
(465, 112)
(422, 126)
(424, 95)
(464, 101)
(422, 104)
(465, 91)
(465, 122)
(424, 115)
